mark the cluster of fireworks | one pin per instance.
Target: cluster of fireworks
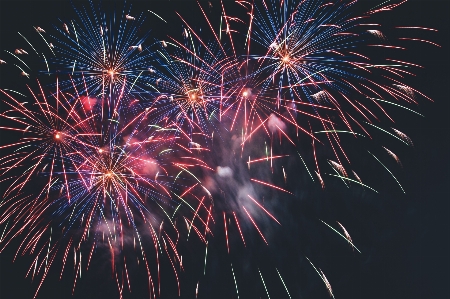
(130, 144)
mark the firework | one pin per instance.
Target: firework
(49, 126)
(143, 142)
(105, 178)
(190, 86)
(306, 73)
(102, 52)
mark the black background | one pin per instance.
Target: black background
(405, 238)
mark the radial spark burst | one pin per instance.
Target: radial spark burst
(49, 125)
(103, 51)
(109, 50)
(191, 85)
(311, 66)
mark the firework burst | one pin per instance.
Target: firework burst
(102, 52)
(315, 73)
(191, 85)
(106, 179)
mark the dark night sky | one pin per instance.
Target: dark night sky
(404, 238)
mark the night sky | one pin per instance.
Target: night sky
(404, 238)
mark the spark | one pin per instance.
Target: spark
(347, 236)
(265, 287)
